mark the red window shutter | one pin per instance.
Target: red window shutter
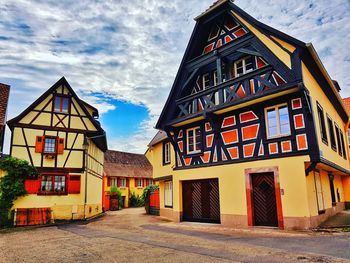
(118, 182)
(32, 186)
(74, 184)
(127, 182)
(147, 182)
(39, 144)
(60, 146)
(108, 181)
(135, 182)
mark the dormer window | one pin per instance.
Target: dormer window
(243, 66)
(61, 104)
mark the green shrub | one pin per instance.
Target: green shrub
(12, 186)
(148, 191)
(136, 200)
(115, 190)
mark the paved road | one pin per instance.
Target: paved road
(131, 236)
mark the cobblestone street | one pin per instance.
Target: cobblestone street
(129, 235)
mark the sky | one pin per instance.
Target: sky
(122, 56)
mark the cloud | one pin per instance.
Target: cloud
(130, 50)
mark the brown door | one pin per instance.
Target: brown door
(264, 200)
(201, 201)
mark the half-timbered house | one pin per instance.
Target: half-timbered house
(60, 135)
(253, 131)
(4, 97)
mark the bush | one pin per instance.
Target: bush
(12, 186)
(136, 200)
(115, 190)
(148, 191)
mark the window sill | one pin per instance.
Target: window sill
(193, 154)
(325, 141)
(51, 193)
(165, 164)
(277, 137)
(321, 212)
(168, 206)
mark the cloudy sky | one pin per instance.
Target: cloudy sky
(122, 55)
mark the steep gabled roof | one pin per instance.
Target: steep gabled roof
(125, 164)
(101, 141)
(159, 137)
(4, 96)
(307, 54)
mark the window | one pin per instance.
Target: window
(206, 81)
(168, 194)
(61, 104)
(331, 133)
(122, 182)
(50, 145)
(277, 121)
(53, 184)
(139, 183)
(166, 153)
(319, 192)
(343, 144)
(215, 77)
(337, 132)
(322, 123)
(150, 181)
(114, 182)
(194, 140)
(243, 66)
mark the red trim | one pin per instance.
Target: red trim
(249, 193)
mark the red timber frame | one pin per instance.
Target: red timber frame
(249, 193)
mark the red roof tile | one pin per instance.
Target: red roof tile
(346, 103)
(125, 164)
(4, 96)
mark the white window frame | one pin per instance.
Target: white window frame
(167, 159)
(279, 134)
(245, 71)
(122, 182)
(114, 181)
(319, 191)
(194, 141)
(168, 193)
(139, 183)
(204, 81)
(150, 181)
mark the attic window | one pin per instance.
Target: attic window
(61, 104)
(243, 66)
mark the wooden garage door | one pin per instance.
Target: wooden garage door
(201, 201)
(264, 200)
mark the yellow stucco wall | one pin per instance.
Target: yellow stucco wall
(346, 187)
(317, 95)
(126, 191)
(154, 156)
(232, 183)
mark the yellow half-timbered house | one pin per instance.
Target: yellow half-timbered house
(254, 130)
(60, 135)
